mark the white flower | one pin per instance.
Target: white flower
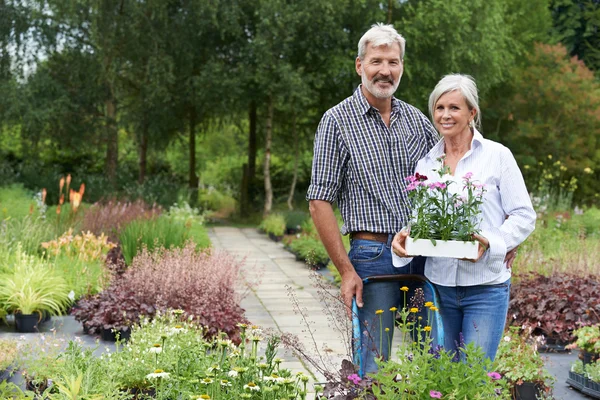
(507, 338)
(232, 373)
(177, 329)
(252, 387)
(158, 374)
(71, 295)
(156, 349)
(225, 382)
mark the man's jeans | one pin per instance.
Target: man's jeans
(478, 312)
(371, 258)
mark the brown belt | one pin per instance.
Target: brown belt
(377, 237)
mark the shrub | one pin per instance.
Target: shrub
(154, 233)
(202, 284)
(311, 250)
(556, 305)
(214, 200)
(273, 224)
(111, 217)
(294, 221)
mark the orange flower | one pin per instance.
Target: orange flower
(61, 184)
(58, 209)
(44, 193)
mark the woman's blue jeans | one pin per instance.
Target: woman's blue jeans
(371, 258)
(478, 312)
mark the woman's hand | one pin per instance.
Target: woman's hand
(399, 243)
(484, 244)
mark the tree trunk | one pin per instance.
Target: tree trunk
(389, 16)
(252, 143)
(290, 201)
(143, 152)
(267, 165)
(112, 141)
(193, 178)
(249, 169)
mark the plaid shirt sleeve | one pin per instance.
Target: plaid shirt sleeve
(330, 157)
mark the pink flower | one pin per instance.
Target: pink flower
(468, 175)
(494, 375)
(354, 378)
(434, 394)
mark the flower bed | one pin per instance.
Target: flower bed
(200, 283)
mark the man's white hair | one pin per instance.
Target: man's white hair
(380, 35)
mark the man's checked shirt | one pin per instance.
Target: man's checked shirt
(362, 164)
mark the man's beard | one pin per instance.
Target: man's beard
(376, 91)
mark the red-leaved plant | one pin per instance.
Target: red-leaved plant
(200, 283)
(111, 217)
(555, 305)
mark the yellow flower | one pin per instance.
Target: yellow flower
(404, 288)
(433, 308)
(427, 329)
(379, 312)
(429, 304)
(588, 170)
(414, 310)
(549, 156)
(393, 309)
(387, 329)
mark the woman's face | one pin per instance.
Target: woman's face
(452, 115)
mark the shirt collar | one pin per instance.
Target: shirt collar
(364, 105)
(438, 150)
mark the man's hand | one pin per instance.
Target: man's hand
(352, 286)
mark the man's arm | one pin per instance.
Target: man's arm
(322, 215)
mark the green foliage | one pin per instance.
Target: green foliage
(435, 370)
(310, 249)
(588, 338)
(435, 33)
(83, 277)
(518, 360)
(557, 115)
(16, 202)
(273, 224)
(152, 234)
(213, 199)
(295, 219)
(31, 286)
(28, 232)
(575, 25)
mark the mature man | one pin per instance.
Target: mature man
(364, 148)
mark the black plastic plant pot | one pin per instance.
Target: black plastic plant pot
(27, 323)
(275, 238)
(528, 391)
(590, 358)
(110, 335)
(577, 381)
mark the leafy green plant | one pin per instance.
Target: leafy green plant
(273, 224)
(518, 361)
(155, 233)
(32, 286)
(310, 249)
(294, 220)
(438, 213)
(593, 371)
(423, 370)
(27, 232)
(8, 390)
(16, 202)
(588, 338)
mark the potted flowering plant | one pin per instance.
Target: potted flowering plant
(588, 342)
(446, 214)
(519, 362)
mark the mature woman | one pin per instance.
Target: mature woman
(474, 294)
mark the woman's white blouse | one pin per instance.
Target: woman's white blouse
(507, 214)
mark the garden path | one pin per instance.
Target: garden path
(269, 305)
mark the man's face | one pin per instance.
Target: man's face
(381, 70)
